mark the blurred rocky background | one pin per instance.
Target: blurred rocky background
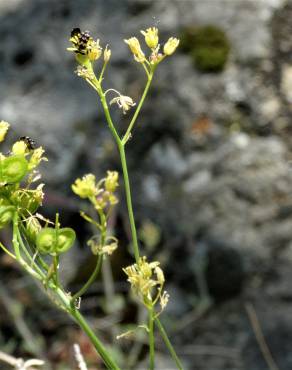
(210, 161)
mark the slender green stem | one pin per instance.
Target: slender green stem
(125, 171)
(89, 281)
(7, 251)
(78, 317)
(151, 339)
(109, 119)
(168, 344)
(129, 202)
(137, 111)
(14, 238)
(102, 72)
(146, 70)
(110, 363)
(56, 266)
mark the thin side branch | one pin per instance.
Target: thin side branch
(260, 337)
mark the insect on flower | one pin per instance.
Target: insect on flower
(79, 40)
(30, 143)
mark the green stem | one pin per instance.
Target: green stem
(108, 117)
(7, 251)
(168, 344)
(133, 120)
(121, 148)
(89, 281)
(56, 265)
(110, 363)
(151, 339)
(129, 202)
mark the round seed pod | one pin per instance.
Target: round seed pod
(46, 240)
(13, 169)
(6, 215)
(65, 239)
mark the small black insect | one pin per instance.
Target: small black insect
(75, 32)
(30, 143)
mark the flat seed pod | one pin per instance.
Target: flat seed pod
(13, 169)
(65, 240)
(46, 240)
(6, 215)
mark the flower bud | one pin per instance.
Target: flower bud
(4, 126)
(151, 37)
(170, 46)
(111, 181)
(107, 55)
(135, 48)
(36, 158)
(19, 147)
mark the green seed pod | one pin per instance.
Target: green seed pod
(46, 240)
(6, 215)
(55, 241)
(13, 169)
(65, 240)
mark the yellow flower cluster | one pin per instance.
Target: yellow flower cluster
(152, 41)
(100, 194)
(147, 281)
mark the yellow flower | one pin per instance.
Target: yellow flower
(151, 37)
(93, 50)
(19, 147)
(36, 158)
(135, 48)
(85, 187)
(4, 126)
(143, 277)
(170, 46)
(111, 181)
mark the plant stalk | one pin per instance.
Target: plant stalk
(129, 202)
(89, 281)
(168, 344)
(151, 339)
